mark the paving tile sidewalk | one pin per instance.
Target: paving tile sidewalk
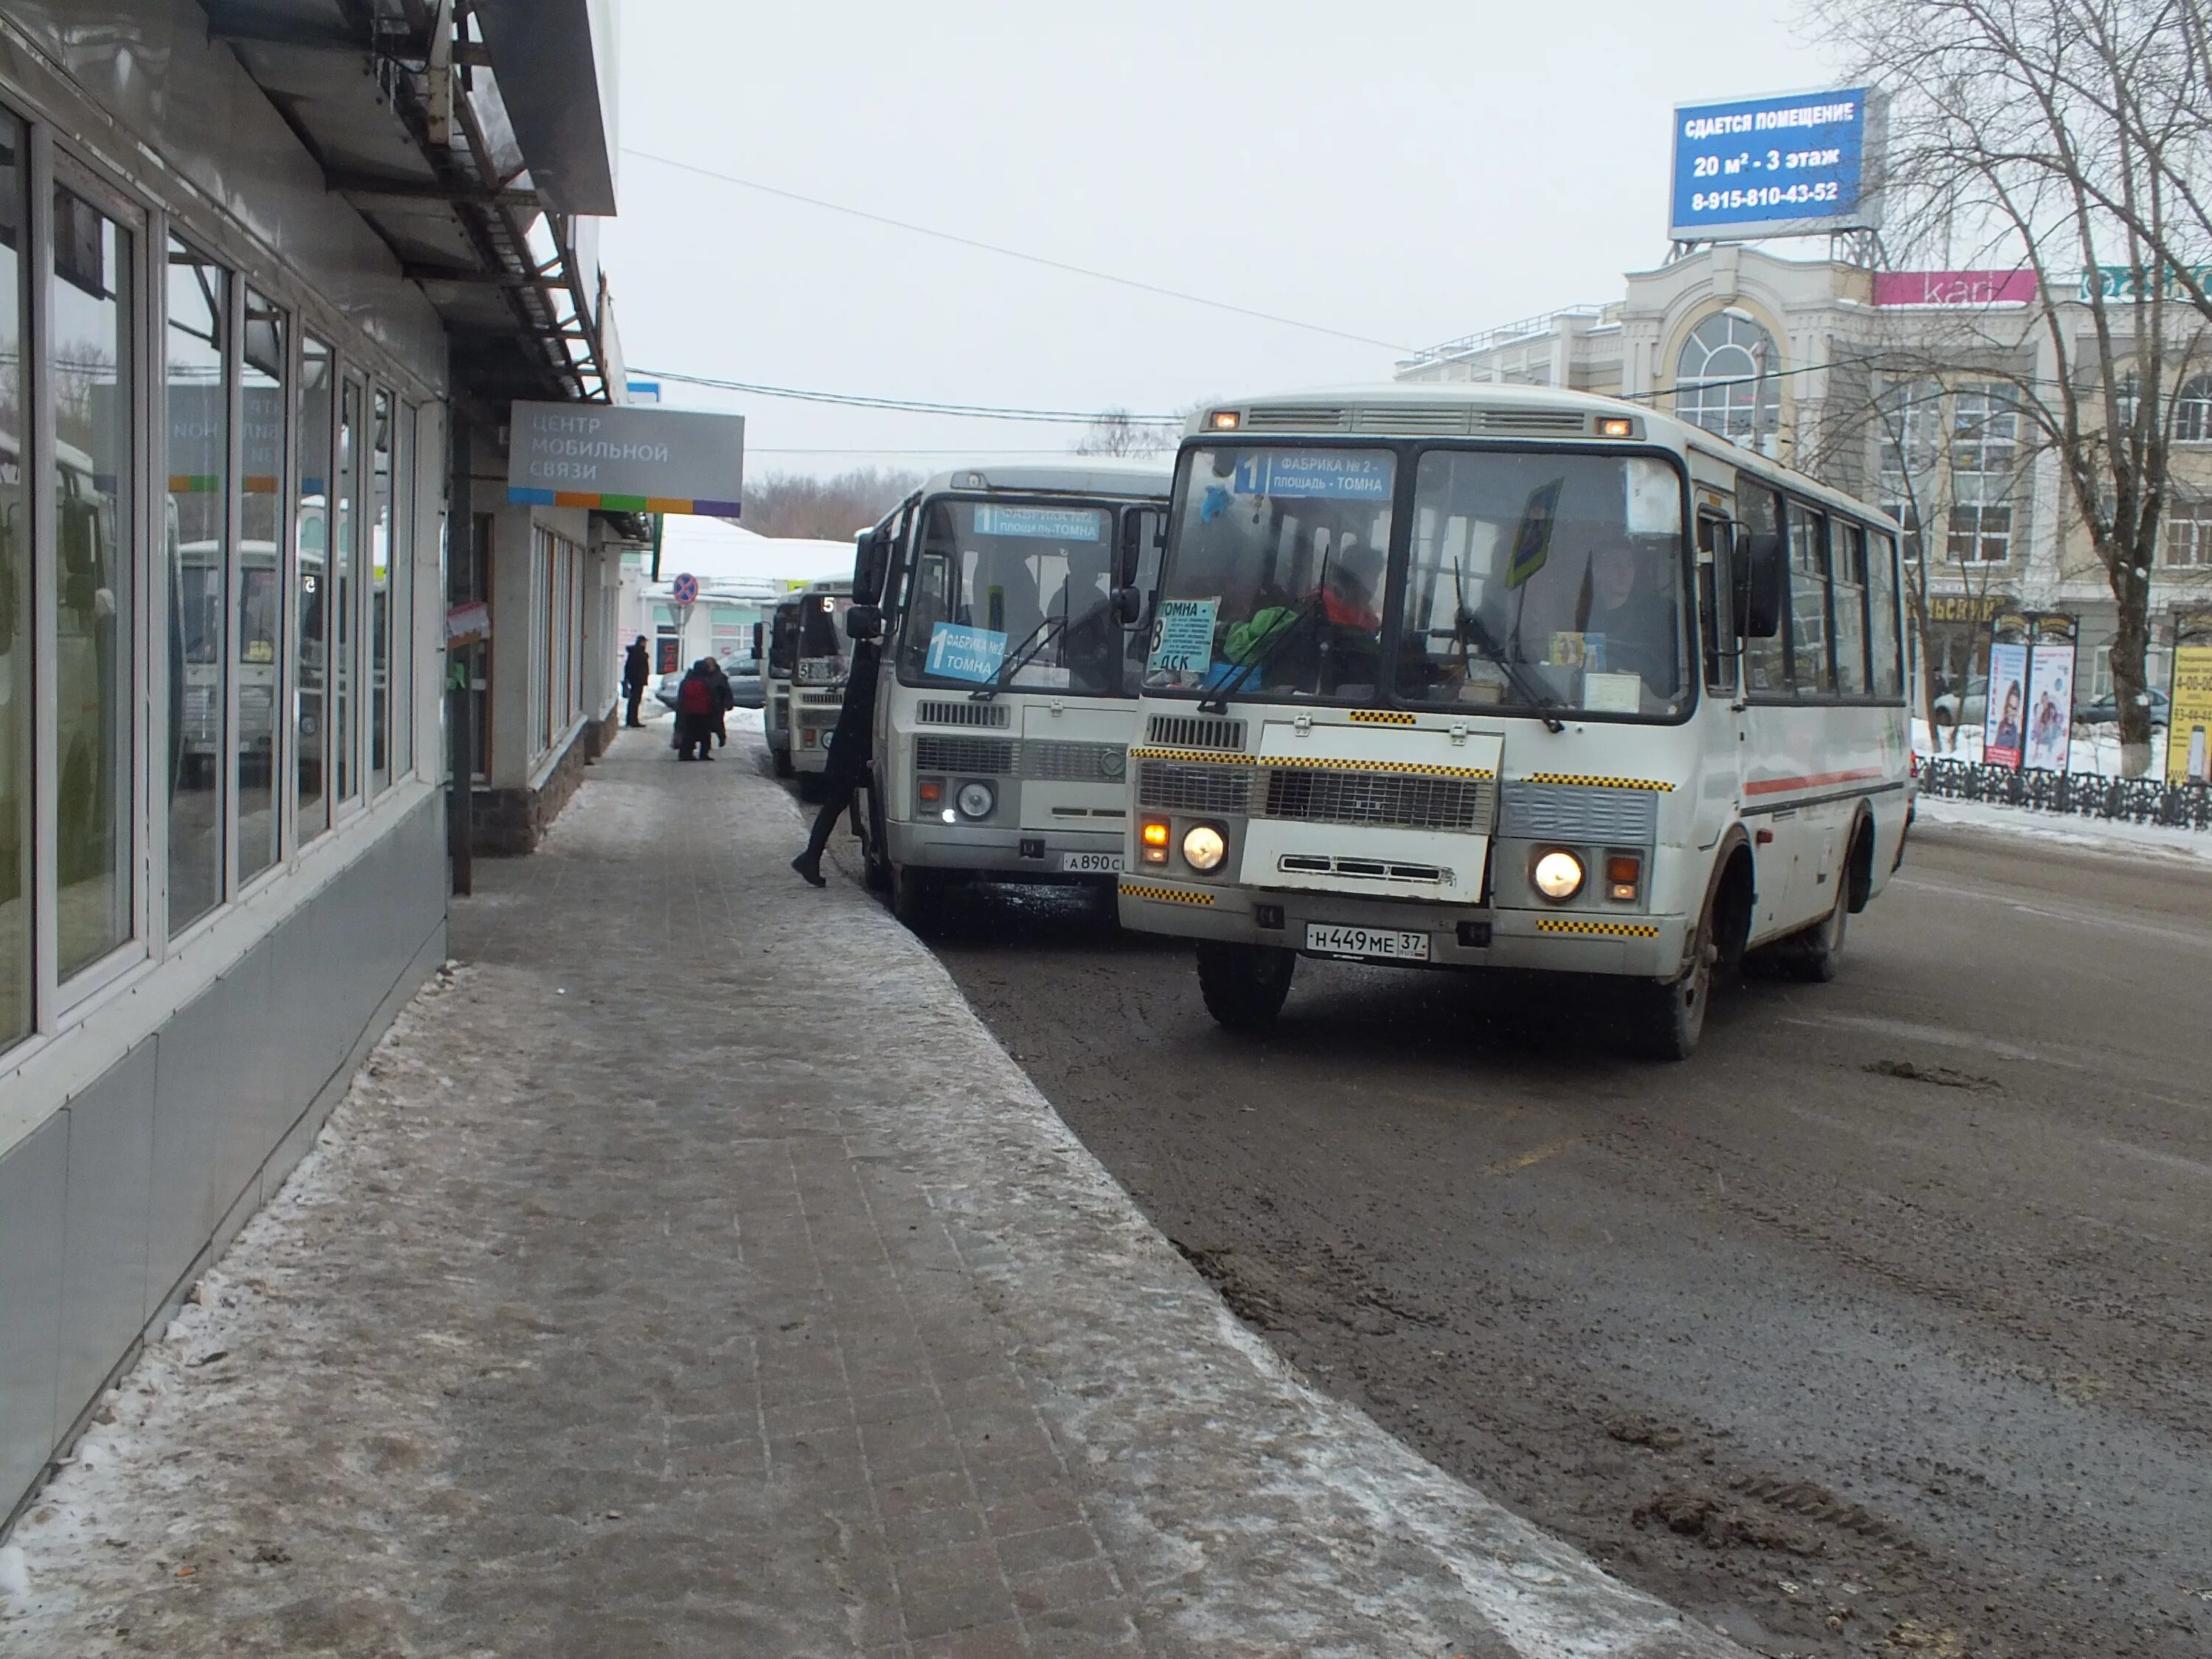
(689, 1273)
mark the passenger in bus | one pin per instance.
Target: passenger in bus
(852, 746)
(1624, 603)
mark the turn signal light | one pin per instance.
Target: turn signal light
(931, 790)
(1622, 873)
(1153, 833)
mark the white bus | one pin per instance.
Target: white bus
(199, 582)
(1501, 677)
(778, 655)
(1005, 703)
(819, 664)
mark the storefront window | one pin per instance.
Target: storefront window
(199, 542)
(311, 735)
(93, 304)
(345, 590)
(18, 697)
(379, 592)
(260, 653)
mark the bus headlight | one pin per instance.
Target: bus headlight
(976, 800)
(1204, 846)
(1558, 875)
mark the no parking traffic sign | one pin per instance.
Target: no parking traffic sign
(686, 590)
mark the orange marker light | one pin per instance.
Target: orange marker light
(1615, 426)
(931, 790)
(1153, 833)
(1223, 420)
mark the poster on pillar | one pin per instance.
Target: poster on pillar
(2050, 733)
(2004, 722)
(623, 458)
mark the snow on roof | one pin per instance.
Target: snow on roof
(719, 552)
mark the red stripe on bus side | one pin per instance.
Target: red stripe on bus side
(1775, 786)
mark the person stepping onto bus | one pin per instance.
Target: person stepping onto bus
(637, 669)
(696, 713)
(846, 768)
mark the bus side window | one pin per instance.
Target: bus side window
(1715, 556)
(1765, 661)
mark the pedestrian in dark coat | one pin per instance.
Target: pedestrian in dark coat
(852, 746)
(725, 699)
(697, 712)
(637, 669)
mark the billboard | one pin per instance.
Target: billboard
(1791, 165)
(625, 459)
(2188, 748)
(2004, 725)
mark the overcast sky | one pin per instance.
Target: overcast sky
(1406, 172)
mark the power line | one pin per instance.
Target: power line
(907, 405)
(1017, 254)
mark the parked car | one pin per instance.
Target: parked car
(1969, 708)
(745, 682)
(2104, 710)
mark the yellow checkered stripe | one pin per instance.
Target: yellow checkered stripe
(1422, 769)
(1167, 895)
(1592, 781)
(1604, 929)
(1194, 756)
(1381, 717)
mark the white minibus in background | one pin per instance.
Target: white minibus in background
(1492, 676)
(1007, 597)
(819, 664)
(779, 662)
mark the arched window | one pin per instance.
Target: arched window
(2192, 410)
(1725, 381)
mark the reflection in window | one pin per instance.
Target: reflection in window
(379, 591)
(403, 592)
(18, 695)
(344, 565)
(1811, 668)
(260, 650)
(1724, 381)
(91, 313)
(198, 537)
(1847, 552)
(311, 737)
(1881, 613)
(1765, 661)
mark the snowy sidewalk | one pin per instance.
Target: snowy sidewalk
(691, 1274)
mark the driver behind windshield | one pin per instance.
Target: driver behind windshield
(1626, 616)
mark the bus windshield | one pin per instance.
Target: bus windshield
(1534, 580)
(1016, 594)
(822, 637)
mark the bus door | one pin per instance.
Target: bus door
(1719, 649)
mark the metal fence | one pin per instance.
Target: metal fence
(2075, 794)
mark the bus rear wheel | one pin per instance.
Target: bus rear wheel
(1814, 955)
(1244, 985)
(1665, 1020)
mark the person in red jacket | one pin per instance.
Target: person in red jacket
(696, 712)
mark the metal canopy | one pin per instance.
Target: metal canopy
(402, 104)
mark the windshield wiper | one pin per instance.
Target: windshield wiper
(1275, 640)
(1020, 658)
(1535, 693)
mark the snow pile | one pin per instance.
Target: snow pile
(2060, 828)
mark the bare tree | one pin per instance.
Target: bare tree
(1117, 432)
(2020, 134)
(831, 508)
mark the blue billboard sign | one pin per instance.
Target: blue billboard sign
(1775, 166)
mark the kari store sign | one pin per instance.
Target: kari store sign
(1775, 166)
(1954, 288)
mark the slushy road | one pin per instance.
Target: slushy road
(1883, 1326)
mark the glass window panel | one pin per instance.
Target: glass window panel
(91, 308)
(345, 589)
(198, 543)
(403, 592)
(1765, 661)
(18, 693)
(379, 591)
(1848, 551)
(1811, 665)
(258, 658)
(1881, 612)
(312, 532)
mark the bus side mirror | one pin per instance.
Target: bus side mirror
(756, 642)
(1760, 584)
(863, 622)
(1129, 605)
(869, 548)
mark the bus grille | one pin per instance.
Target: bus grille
(1317, 795)
(1194, 732)
(1560, 811)
(990, 757)
(989, 716)
(1163, 786)
(1074, 763)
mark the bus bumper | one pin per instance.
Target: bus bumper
(1459, 936)
(1004, 855)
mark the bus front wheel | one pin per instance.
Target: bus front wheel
(1664, 1021)
(1244, 985)
(781, 759)
(917, 899)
